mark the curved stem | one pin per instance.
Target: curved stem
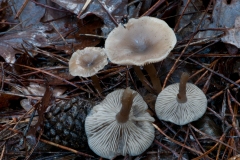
(127, 100)
(142, 78)
(153, 76)
(96, 84)
(181, 97)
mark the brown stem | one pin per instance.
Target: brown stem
(127, 100)
(181, 97)
(153, 76)
(96, 84)
(141, 77)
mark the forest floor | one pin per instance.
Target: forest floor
(38, 37)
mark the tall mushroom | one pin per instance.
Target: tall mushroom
(120, 125)
(181, 103)
(143, 41)
(87, 62)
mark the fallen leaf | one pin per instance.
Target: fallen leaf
(90, 25)
(39, 90)
(9, 41)
(221, 19)
(233, 35)
(116, 8)
(30, 15)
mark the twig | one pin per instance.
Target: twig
(199, 79)
(171, 150)
(233, 115)
(109, 14)
(209, 55)
(211, 149)
(174, 141)
(22, 8)
(2, 78)
(54, 77)
(186, 138)
(175, 64)
(221, 92)
(46, 6)
(152, 9)
(92, 35)
(133, 82)
(220, 75)
(52, 24)
(178, 22)
(66, 148)
(204, 134)
(195, 138)
(206, 85)
(2, 153)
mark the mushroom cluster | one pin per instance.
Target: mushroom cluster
(120, 125)
(181, 103)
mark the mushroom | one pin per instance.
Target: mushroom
(120, 125)
(181, 103)
(142, 41)
(87, 62)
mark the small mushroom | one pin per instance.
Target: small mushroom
(142, 41)
(87, 62)
(181, 103)
(120, 125)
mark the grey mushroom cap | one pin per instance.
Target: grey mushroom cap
(109, 138)
(169, 109)
(142, 41)
(87, 62)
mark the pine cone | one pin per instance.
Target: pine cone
(64, 123)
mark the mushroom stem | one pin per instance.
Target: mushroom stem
(127, 100)
(96, 84)
(153, 76)
(181, 96)
(142, 78)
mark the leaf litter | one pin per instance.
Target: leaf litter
(36, 47)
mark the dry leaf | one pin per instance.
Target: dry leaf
(37, 37)
(116, 8)
(233, 35)
(30, 15)
(225, 15)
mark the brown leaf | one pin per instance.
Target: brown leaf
(221, 19)
(24, 59)
(37, 37)
(233, 35)
(31, 14)
(61, 73)
(6, 99)
(89, 25)
(116, 8)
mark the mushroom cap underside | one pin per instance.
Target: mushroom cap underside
(167, 107)
(108, 138)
